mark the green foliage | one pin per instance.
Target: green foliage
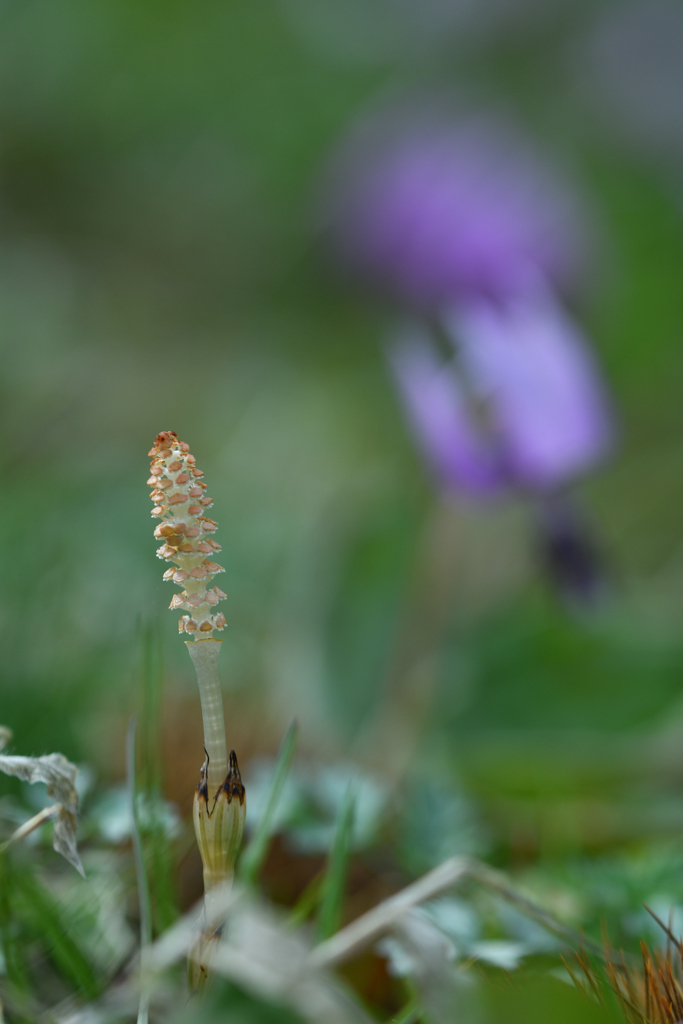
(533, 999)
(363, 621)
(159, 853)
(234, 1007)
(34, 914)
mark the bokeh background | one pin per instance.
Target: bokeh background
(163, 266)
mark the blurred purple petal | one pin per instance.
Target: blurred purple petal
(437, 412)
(435, 209)
(460, 214)
(530, 364)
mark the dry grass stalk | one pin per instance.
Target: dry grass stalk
(650, 992)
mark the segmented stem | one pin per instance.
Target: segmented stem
(204, 654)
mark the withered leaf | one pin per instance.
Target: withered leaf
(59, 775)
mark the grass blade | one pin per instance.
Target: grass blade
(332, 892)
(306, 903)
(47, 920)
(159, 851)
(410, 1013)
(140, 870)
(16, 968)
(255, 853)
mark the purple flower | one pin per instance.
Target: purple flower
(434, 212)
(528, 362)
(463, 224)
(524, 406)
(438, 410)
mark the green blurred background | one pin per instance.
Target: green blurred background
(162, 267)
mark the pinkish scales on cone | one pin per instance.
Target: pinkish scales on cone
(180, 500)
